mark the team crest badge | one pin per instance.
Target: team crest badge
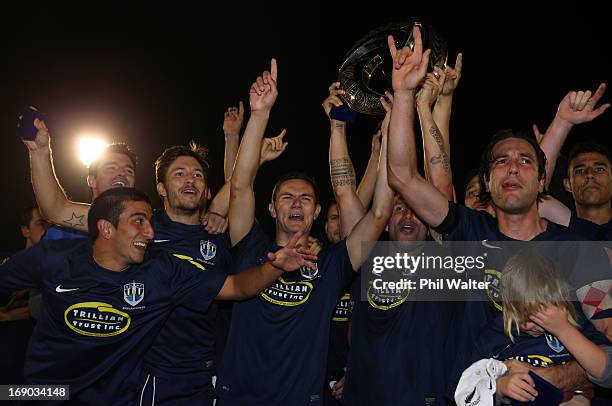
(493, 278)
(207, 249)
(308, 272)
(554, 343)
(133, 293)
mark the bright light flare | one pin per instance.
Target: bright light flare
(90, 148)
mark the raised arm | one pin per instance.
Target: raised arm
(341, 169)
(365, 190)
(575, 108)
(232, 123)
(554, 320)
(271, 148)
(435, 145)
(242, 199)
(444, 103)
(555, 211)
(52, 201)
(409, 68)
(375, 220)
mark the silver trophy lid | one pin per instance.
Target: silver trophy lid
(365, 74)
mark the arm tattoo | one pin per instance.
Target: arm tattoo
(442, 158)
(340, 124)
(342, 172)
(75, 220)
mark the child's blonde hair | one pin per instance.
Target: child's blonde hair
(529, 281)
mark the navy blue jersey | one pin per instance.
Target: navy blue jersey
(186, 344)
(338, 338)
(542, 351)
(277, 346)
(590, 230)
(464, 224)
(397, 348)
(61, 233)
(96, 325)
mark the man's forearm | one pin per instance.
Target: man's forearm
(365, 190)
(247, 161)
(252, 281)
(232, 142)
(553, 141)
(53, 203)
(401, 151)
(567, 377)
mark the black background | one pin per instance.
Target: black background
(159, 75)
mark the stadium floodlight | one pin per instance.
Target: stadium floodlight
(90, 148)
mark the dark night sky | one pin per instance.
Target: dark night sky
(156, 76)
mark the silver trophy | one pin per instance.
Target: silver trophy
(365, 74)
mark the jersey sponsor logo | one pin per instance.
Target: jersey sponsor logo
(308, 272)
(289, 294)
(59, 289)
(493, 278)
(208, 250)
(133, 293)
(535, 360)
(342, 308)
(385, 298)
(96, 319)
(554, 343)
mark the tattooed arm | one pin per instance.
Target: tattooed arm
(435, 147)
(341, 168)
(51, 198)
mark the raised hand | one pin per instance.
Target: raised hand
(291, 258)
(263, 91)
(453, 75)
(272, 148)
(214, 223)
(232, 120)
(409, 65)
(431, 88)
(579, 107)
(333, 99)
(552, 319)
(42, 137)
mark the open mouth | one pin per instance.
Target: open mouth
(119, 183)
(296, 217)
(140, 245)
(407, 228)
(190, 191)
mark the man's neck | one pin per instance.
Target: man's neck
(600, 214)
(106, 258)
(184, 217)
(522, 226)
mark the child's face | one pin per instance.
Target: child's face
(532, 329)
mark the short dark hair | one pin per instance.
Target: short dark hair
(486, 159)
(120, 148)
(296, 175)
(26, 215)
(171, 154)
(587, 147)
(109, 205)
